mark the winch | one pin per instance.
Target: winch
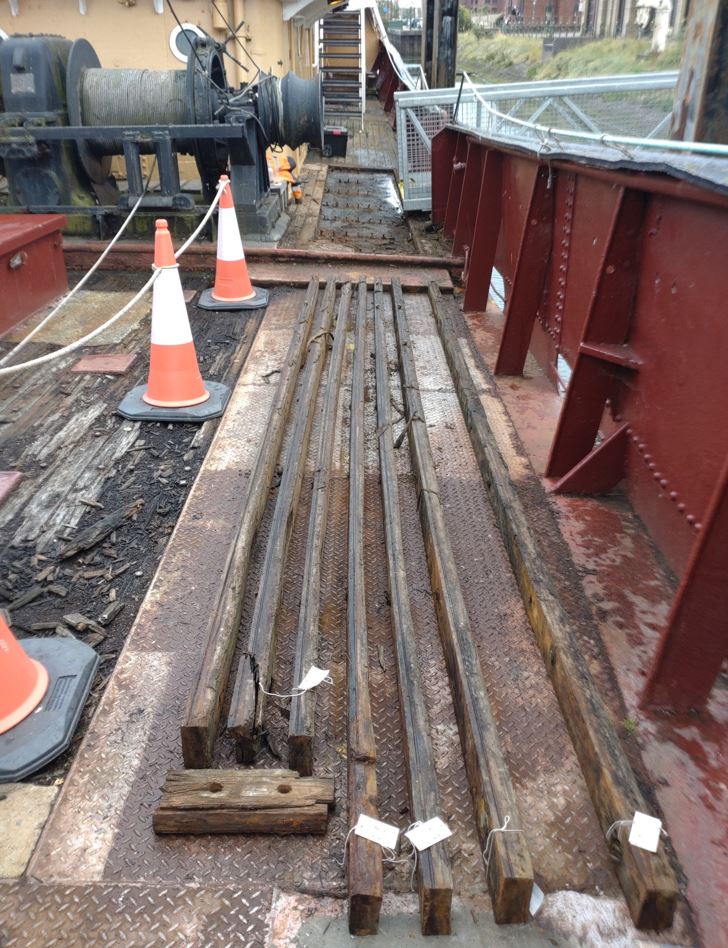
(63, 117)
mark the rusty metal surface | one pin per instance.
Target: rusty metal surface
(189, 916)
(362, 210)
(98, 855)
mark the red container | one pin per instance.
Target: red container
(32, 268)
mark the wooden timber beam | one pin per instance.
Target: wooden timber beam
(202, 718)
(433, 864)
(301, 723)
(647, 879)
(243, 801)
(509, 871)
(364, 858)
(255, 671)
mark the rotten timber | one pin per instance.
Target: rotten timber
(433, 864)
(509, 871)
(255, 672)
(243, 801)
(364, 858)
(647, 879)
(202, 718)
(301, 724)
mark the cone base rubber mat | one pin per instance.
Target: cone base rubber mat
(134, 407)
(47, 731)
(208, 301)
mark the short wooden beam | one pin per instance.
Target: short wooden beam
(433, 865)
(202, 718)
(243, 801)
(647, 879)
(364, 858)
(509, 871)
(255, 671)
(301, 724)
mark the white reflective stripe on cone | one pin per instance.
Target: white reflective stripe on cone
(229, 244)
(170, 325)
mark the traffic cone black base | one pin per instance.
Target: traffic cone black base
(135, 408)
(208, 301)
(43, 735)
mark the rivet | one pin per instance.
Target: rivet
(681, 508)
(657, 476)
(640, 446)
(663, 482)
(629, 432)
(690, 519)
(610, 269)
(619, 417)
(673, 495)
(697, 526)
(652, 465)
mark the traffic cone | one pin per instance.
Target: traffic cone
(232, 289)
(175, 390)
(23, 681)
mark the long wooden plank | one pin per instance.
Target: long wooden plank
(433, 864)
(255, 672)
(243, 801)
(364, 862)
(647, 879)
(202, 718)
(509, 871)
(301, 723)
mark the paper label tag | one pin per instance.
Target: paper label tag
(314, 676)
(537, 898)
(429, 833)
(645, 831)
(378, 832)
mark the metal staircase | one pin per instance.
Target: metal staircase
(342, 65)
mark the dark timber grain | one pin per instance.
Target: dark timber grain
(364, 862)
(243, 801)
(255, 672)
(205, 706)
(509, 872)
(648, 880)
(433, 864)
(301, 724)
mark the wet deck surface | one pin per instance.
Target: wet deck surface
(99, 868)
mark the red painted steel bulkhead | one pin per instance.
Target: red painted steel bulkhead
(616, 282)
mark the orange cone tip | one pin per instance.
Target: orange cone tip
(174, 375)
(23, 681)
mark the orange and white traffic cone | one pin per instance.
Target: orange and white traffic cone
(175, 390)
(23, 681)
(232, 289)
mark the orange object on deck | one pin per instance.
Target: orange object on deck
(174, 376)
(23, 681)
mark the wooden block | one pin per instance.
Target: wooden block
(105, 363)
(243, 801)
(647, 879)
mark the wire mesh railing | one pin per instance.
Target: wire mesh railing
(636, 106)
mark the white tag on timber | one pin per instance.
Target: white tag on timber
(537, 898)
(645, 831)
(314, 676)
(378, 832)
(429, 833)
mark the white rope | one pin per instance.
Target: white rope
(84, 280)
(10, 369)
(618, 824)
(489, 840)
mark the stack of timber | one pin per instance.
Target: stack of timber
(202, 719)
(509, 871)
(245, 721)
(243, 801)
(434, 878)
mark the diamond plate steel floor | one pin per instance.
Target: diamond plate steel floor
(100, 869)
